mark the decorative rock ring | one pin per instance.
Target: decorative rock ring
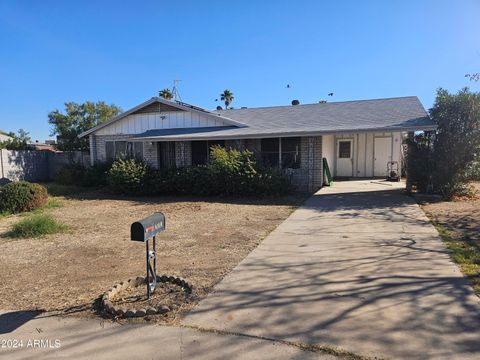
(121, 311)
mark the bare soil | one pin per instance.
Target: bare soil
(461, 217)
(458, 223)
(67, 273)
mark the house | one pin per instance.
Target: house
(357, 138)
(4, 136)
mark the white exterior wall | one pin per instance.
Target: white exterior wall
(363, 151)
(328, 151)
(139, 123)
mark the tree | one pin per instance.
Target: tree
(166, 94)
(77, 119)
(473, 77)
(226, 97)
(457, 141)
(17, 142)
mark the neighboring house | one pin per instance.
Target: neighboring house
(357, 138)
(4, 136)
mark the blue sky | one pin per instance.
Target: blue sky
(124, 52)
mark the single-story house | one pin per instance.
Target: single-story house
(357, 138)
(4, 136)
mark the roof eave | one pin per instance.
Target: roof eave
(260, 135)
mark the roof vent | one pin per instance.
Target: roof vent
(219, 108)
(295, 102)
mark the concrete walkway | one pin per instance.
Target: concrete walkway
(359, 267)
(43, 337)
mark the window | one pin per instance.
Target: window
(135, 150)
(270, 150)
(109, 150)
(166, 155)
(290, 153)
(344, 149)
(201, 150)
(122, 149)
(289, 149)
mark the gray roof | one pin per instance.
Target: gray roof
(392, 114)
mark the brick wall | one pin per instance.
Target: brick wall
(308, 177)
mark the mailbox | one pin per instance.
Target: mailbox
(147, 228)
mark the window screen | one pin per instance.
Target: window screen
(199, 152)
(120, 149)
(109, 150)
(291, 153)
(135, 150)
(344, 149)
(167, 155)
(269, 150)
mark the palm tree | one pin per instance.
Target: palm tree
(166, 94)
(226, 97)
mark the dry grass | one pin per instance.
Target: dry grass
(204, 240)
(458, 223)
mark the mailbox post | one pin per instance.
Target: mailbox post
(145, 230)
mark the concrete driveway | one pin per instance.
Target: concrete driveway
(360, 267)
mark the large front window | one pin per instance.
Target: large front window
(123, 149)
(284, 151)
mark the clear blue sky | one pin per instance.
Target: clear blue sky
(124, 52)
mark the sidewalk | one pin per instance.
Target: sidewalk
(94, 339)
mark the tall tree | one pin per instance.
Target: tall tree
(457, 141)
(166, 94)
(227, 97)
(77, 119)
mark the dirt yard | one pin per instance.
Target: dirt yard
(204, 240)
(459, 224)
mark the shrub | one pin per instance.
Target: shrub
(128, 177)
(96, 175)
(229, 173)
(70, 174)
(77, 174)
(35, 226)
(22, 196)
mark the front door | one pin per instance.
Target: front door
(345, 157)
(383, 154)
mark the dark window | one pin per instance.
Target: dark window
(291, 153)
(199, 152)
(166, 155)
(344, 149)
(120, 149)
(135, 150)
(214, 143)
(270, 149)
(109, 150)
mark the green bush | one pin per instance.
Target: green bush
(96, 175)
(70, 174)
(20, 196)
(128, 177)
(229, 173)
(35, 226)
(77, 174)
